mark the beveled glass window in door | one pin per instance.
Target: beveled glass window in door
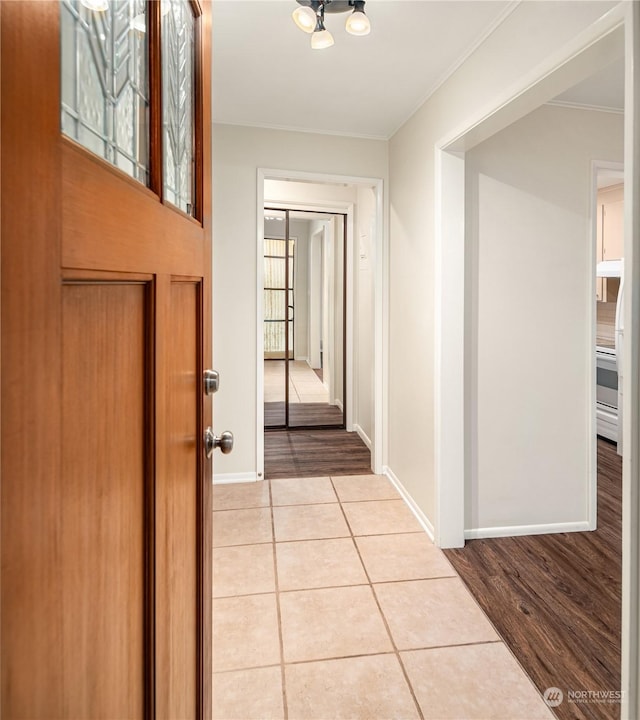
(178, 112)
(131, 90)
(105, 81)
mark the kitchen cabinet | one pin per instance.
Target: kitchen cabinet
(610, 233)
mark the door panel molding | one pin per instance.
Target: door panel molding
(71, 224)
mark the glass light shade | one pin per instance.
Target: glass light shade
(97, 5)
(139, 23)
(321, 40)
(305, 19)
(358, 23)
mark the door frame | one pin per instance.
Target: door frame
(596, 165)
(587, 52)
(380, 314)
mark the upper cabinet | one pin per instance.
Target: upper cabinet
(611, 215)
(610, 230)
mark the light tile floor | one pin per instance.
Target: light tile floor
(304, 385)
(331, 602)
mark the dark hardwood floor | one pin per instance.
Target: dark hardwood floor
(307, 453)
(302, 414)
(556, 599)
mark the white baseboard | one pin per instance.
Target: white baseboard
(363, 435)
(339, 405)
(411, 504)
(229, 478)
(515, 530)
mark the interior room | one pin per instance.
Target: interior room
(541, 167)
(320, 359)
(543, 173)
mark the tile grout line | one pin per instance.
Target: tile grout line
(335, 587)
(278, 592)
(384, 619)
(285, 707)
(333, 537)
(330, 658)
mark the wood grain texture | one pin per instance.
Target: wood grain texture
(67, 214)
(157, 238)
(310, 453)
(205, 469)
(103, 534)
(556, 599)
(302, 414)
(176, 509)
(30, 178)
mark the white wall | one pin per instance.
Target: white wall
(301, 290)
(529, 242)
(316, 235)
(365, 263)
(529, 35)
(337, 315)
(239, 152)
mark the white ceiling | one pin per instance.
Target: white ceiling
(265, 73)
(604, 90)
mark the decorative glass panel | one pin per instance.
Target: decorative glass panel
(105, 87)
(178, 59)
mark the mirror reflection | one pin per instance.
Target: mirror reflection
(304, 319)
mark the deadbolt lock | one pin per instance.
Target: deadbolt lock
(211, 381)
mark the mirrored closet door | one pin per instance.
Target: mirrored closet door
(304, 319)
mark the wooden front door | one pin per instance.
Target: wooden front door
(106, 317)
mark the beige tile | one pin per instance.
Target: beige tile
(364, 688)
(243, 570)
(318, 563)
(245, 632)
(302, 491)
(410, 556)
(248, 695)
(475, 682)
(351, 488)
(241, 527)
(380, 517)
(235, 496)
(319, 624)
(309, 522)
(429, 613)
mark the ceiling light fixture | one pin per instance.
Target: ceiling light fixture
(358, 23)
(305, 19)
(321, 37)
(310, 19)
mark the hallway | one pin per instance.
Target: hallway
(330, 601)
(307, 453)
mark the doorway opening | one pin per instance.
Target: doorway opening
(304, 320)
(332, 338)
(568, 570)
